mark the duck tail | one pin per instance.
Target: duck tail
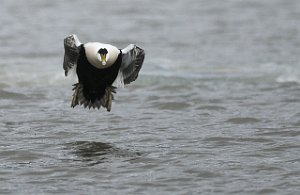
(80, 99)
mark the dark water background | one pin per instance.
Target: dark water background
(216, 109)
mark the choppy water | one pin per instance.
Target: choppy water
(216, 109)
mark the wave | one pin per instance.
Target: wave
(290, 76)
(35, 76)
(27, 79)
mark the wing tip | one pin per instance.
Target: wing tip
(72, 50)
(73, 39)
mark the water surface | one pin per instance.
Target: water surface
(215, 109)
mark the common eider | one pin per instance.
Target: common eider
(100, 68)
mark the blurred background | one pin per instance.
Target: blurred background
(215, 108)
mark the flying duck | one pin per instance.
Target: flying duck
(100, 68)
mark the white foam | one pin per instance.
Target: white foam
(14, 78)
(289, 78)
(289, 74)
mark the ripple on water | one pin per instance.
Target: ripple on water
(12, 95)
(212, 108)
(173, 106)
(282, 132)
(243, 120)
(98, 152)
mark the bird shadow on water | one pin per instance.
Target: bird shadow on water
(92, 153)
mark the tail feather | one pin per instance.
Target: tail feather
(105, 101)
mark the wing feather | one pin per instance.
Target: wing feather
(72, 49)
(132, 61)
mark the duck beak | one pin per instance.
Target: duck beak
(103, 59)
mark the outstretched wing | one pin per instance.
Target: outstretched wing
(72, 49)
(132, 61)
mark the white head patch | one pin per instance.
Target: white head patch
(92, 55)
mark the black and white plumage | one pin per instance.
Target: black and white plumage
(101, 68)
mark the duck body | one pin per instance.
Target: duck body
(100, 68)
(95, 80)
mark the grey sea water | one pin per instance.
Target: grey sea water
(215, 110)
